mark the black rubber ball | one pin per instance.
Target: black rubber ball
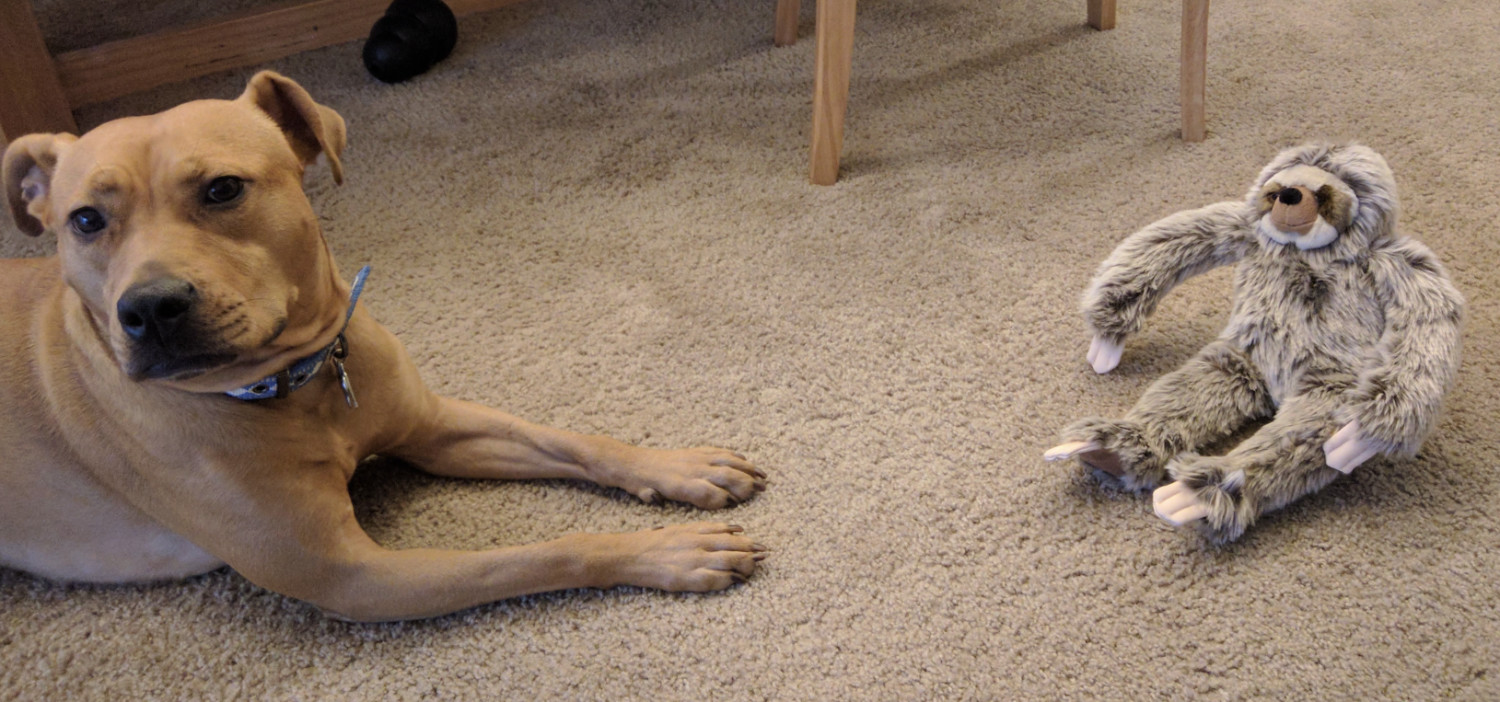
(398, 49)
(411, 37)
(435, 17)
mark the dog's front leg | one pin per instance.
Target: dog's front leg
(290, 527)
(412, 584)
(331, 563)
(463, 439)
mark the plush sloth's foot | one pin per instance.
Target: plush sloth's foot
(1116, 452)
(1209, 495)
(1178, 504)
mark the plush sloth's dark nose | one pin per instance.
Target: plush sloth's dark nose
(1289, 196)
(154, 310)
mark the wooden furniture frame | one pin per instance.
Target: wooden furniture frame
(38, 91)
(834, 52)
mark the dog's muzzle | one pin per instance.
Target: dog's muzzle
(166, 340)
(154, 311)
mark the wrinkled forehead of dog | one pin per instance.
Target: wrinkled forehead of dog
(189, 143)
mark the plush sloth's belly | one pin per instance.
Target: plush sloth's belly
(1299, 323)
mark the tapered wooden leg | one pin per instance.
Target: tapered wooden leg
(31, 97)
(787, 12)
(834, 53)
(1102, 14)
(1194, 68)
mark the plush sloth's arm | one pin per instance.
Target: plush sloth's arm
(1149, 263)
(1397, 399)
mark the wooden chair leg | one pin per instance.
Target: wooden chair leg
(31, 96)
(834, 53)
(1194, 68)
(787, 12)
(1102, 14)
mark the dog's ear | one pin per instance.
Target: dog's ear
(309, 127)
(26, 171)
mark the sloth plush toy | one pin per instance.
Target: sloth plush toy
(1344, 335)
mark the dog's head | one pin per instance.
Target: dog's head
(1323, 195)
(187, 235)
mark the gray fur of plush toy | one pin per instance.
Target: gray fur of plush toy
(1337, 319)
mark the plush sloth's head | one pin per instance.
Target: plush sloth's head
(1321, 195)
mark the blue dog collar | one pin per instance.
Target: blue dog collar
(303, 371)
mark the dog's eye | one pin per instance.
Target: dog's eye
(87, 220)
(223, 189)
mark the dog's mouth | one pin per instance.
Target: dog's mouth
(196, 361)
(190, 348)
(177, 367)
(188, 353)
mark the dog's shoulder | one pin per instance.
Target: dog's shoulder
(26, 285)
(24, 280)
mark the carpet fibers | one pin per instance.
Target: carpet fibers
(596, 215)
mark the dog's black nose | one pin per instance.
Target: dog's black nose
(153, 310)
(1289, 196)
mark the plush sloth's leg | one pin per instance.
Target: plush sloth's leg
(1280, 463)
(1211, 396)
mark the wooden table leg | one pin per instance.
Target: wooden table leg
(1194, 68)
(787, 12)
(834, 53)
(1102, 14)
(31, 97)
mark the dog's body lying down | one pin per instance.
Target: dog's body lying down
(190, 268)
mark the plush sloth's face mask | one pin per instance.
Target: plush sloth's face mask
(1306, 207)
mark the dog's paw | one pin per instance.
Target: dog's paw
(697, 557)
(705, 477)
(1116, 452)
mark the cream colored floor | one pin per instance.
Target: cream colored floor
(596, 214)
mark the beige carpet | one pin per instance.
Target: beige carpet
(595, 214)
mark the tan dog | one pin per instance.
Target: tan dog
(190, 265)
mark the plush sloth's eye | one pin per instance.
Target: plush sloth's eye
(223, 189)
(87, 220)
